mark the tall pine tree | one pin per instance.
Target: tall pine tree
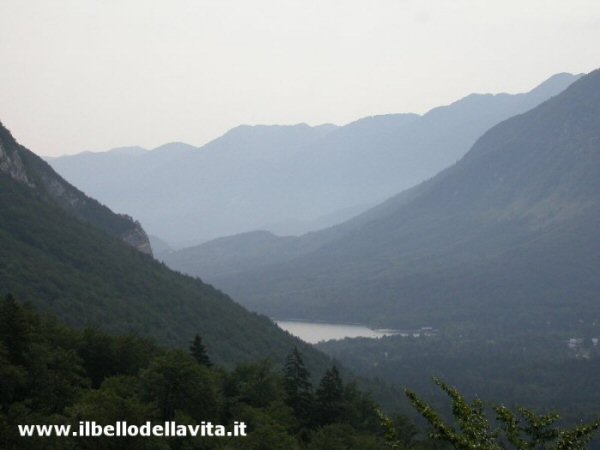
(298, 388)
(330, 397)
(198, 351)
(15, 331)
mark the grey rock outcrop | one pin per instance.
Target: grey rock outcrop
(27, 168)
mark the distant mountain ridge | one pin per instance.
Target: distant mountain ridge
(504, 238)
(289, 179)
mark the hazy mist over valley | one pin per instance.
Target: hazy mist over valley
(288, 180)
(280, 225)
(487, 217)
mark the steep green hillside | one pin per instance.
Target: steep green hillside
(68, 266)
(22, 165)
(505, 237)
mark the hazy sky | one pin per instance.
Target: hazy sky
(95, 74)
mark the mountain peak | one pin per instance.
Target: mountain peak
(262, 129)
(174, 147)
(557, 82)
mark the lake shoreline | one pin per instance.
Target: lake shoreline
(324, 322)
(318, 331)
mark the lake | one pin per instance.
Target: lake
(313, 332)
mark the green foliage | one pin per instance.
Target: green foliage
(474, 429)
(532, 365)
(54, 379)
(255, 384)
(14, 329)
(106, 406)
(175, 382)
(86, 277)
(62, 251)
(342, 437)
(330, 397)
(271, 427)
(391, 434)
(524, 430)
(14, 378)
(400, 432)
(60, 375)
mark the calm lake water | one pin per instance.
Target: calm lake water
(313, 332)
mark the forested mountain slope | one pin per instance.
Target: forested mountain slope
(68, 266)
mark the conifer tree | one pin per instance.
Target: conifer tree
(330, 397)
(14, 328)
(297, 386)
(198, 351)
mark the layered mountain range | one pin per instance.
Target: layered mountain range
(507, 238)
(64, 253)
(288, 180)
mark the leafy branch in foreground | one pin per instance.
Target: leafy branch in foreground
(528, 431)
(391, 435)
(474, 429)
(521, 430)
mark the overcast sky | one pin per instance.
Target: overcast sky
(96, 74)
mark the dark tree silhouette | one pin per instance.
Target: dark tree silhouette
(330, 397)
(297, 386)
(198, 351)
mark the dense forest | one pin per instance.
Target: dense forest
(542, 371)
(75, 268)
(53, 374)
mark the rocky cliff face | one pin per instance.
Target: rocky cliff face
(22, 165)
(12, 165)
(137, 237)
